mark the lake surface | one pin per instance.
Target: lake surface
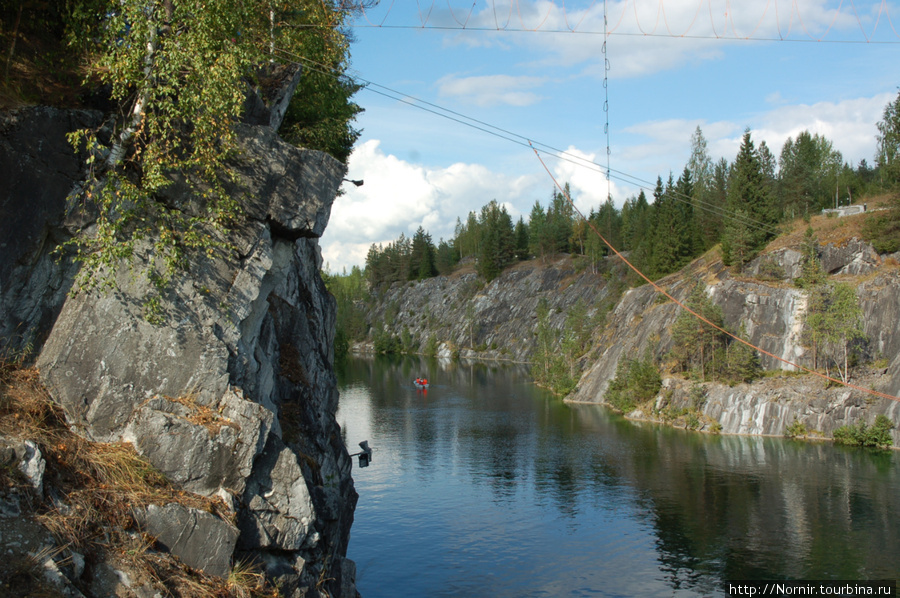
(486, 485)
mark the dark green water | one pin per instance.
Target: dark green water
(488, 486)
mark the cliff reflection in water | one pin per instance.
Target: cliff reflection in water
(687, 510)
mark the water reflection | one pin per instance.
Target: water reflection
(485, 485)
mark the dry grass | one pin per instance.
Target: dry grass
(101, 485)
(24, 576)
(836, 231)
(203, 415)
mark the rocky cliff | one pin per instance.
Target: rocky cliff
(228, 390)
(466, 317)
(772, 312)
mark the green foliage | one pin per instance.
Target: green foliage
(888, 138)
(741, 361)
(320, 115)
(522, 240)
(878, 435)
(695, 343)
(498, 244)
(752, 206)
(431, 346)
(384, 341)
(811, 272)
(797, 429)
(707, 351)
(408, 343)
(422, 256)
(770, 269)
(883, 231)
(555, 358)
(636, 381)
(179, 72)
(350, 294)
(446, 257)
(833, 327)
(810, 171)
(671, 242)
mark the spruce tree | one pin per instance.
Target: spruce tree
(522, 241)
(694, 342)
(538, 232)
(888, 150)
(749, 192)
(497, 241)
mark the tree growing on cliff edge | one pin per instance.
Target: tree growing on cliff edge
(748, 190)
(178, 72)
(833, 327)
(888, 153)
(707, 350)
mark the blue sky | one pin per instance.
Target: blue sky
(421, 169)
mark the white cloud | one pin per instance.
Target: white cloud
(649, 37)
(849, 125)
(398, 197)
(587, 181)
(660, 146)
(491, 90)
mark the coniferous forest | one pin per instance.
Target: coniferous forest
(737, 205)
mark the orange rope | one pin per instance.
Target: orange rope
(583, 16)
(858, 20)
(755, 29)
(691, 26)
(522, 21)
(621, 18)
(712, 21)
(659, 289)
(425, 16)
(468, 16)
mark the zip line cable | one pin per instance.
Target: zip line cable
(562, 155)
(606, 67)
(629, 34)
(521, 140)
(491, 14)
(698, 316)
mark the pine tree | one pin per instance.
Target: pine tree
(522, 240)
(559, 221)
(833, 326)
(672, 239)
(748, 191)
(741, 361)
(694, 342)
(635, 221)
(497, 241)
(810, 167)
(538, 232)
(446, 257)
(888, 151)
(811, 273)
(422, 256)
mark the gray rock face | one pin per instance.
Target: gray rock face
(279, 513)
(201, 540)
(768, 407)
(204, 450)
(37, 170)
(233, 391)
(772, 314)
(493, 321)
(25, 456)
